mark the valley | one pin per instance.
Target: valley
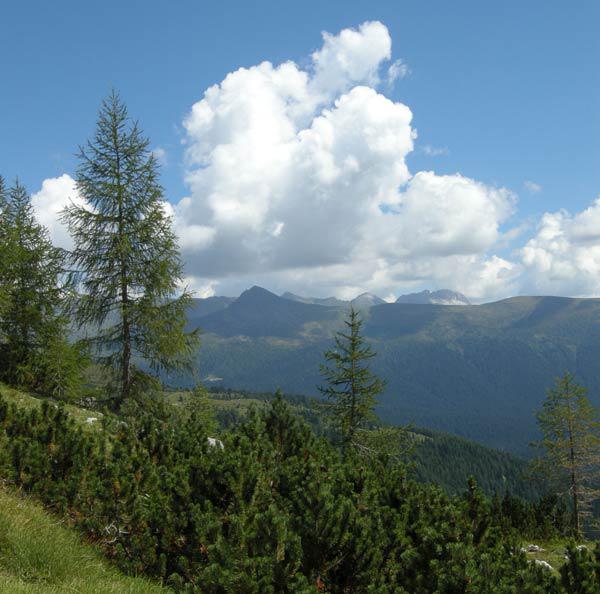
(478, 371)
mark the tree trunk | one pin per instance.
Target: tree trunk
(125, 364)
(125, 319)
(574, 489)
(574, 482)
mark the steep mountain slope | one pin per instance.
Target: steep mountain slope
(258, 312)
(479, 371)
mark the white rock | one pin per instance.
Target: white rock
(581, 548)
(214, 442)
(544, 564)
(91, 420)
(533, 548)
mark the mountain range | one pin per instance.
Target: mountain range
(442, 297)
(479, 371)
(366, 300)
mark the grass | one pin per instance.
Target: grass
(185, 400)
(24, 400)
(552, 552)
(40, 555)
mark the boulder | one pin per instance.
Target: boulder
(214, 442)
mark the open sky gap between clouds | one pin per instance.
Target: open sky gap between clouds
(298, 181)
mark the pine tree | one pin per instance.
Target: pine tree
(31, 274)
(571, 444)
(126, 254)
(351, 387)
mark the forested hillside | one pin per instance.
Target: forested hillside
(479, 371)
(440, 458)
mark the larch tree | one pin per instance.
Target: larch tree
(5, 251)
(35, 348)
(571, 445)
(3, 196)
(351, 388)
(126, 257)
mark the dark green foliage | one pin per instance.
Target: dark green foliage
(546, 518)
(277, 510)
(581, 573)
(570, 446)
(5, 237)
(440, 458)
(34, 351)
(475, 371)
(126, 254)
(351, 389)
(448, 460)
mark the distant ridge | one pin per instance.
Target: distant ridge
(327, 301)
(478, 371)
(363, 301)
(441, 297)
(366, 300)
(205, 306)
(258, 312)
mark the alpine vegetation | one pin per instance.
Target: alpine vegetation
(126, 258)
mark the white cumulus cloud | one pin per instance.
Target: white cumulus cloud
(160, 154)
(563, 257)
(298, 176)
(351, 57)
(298, 180)
(55, 194)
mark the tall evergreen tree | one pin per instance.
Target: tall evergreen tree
(3, 195)
(5, 252)
(351, 387)
(571, 444)
(33, 291)
(126, 254)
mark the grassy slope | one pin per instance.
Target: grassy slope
(39, 555)
(25, 400)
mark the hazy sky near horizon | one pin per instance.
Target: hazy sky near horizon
(332, 148)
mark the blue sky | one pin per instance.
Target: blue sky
(506, 92)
